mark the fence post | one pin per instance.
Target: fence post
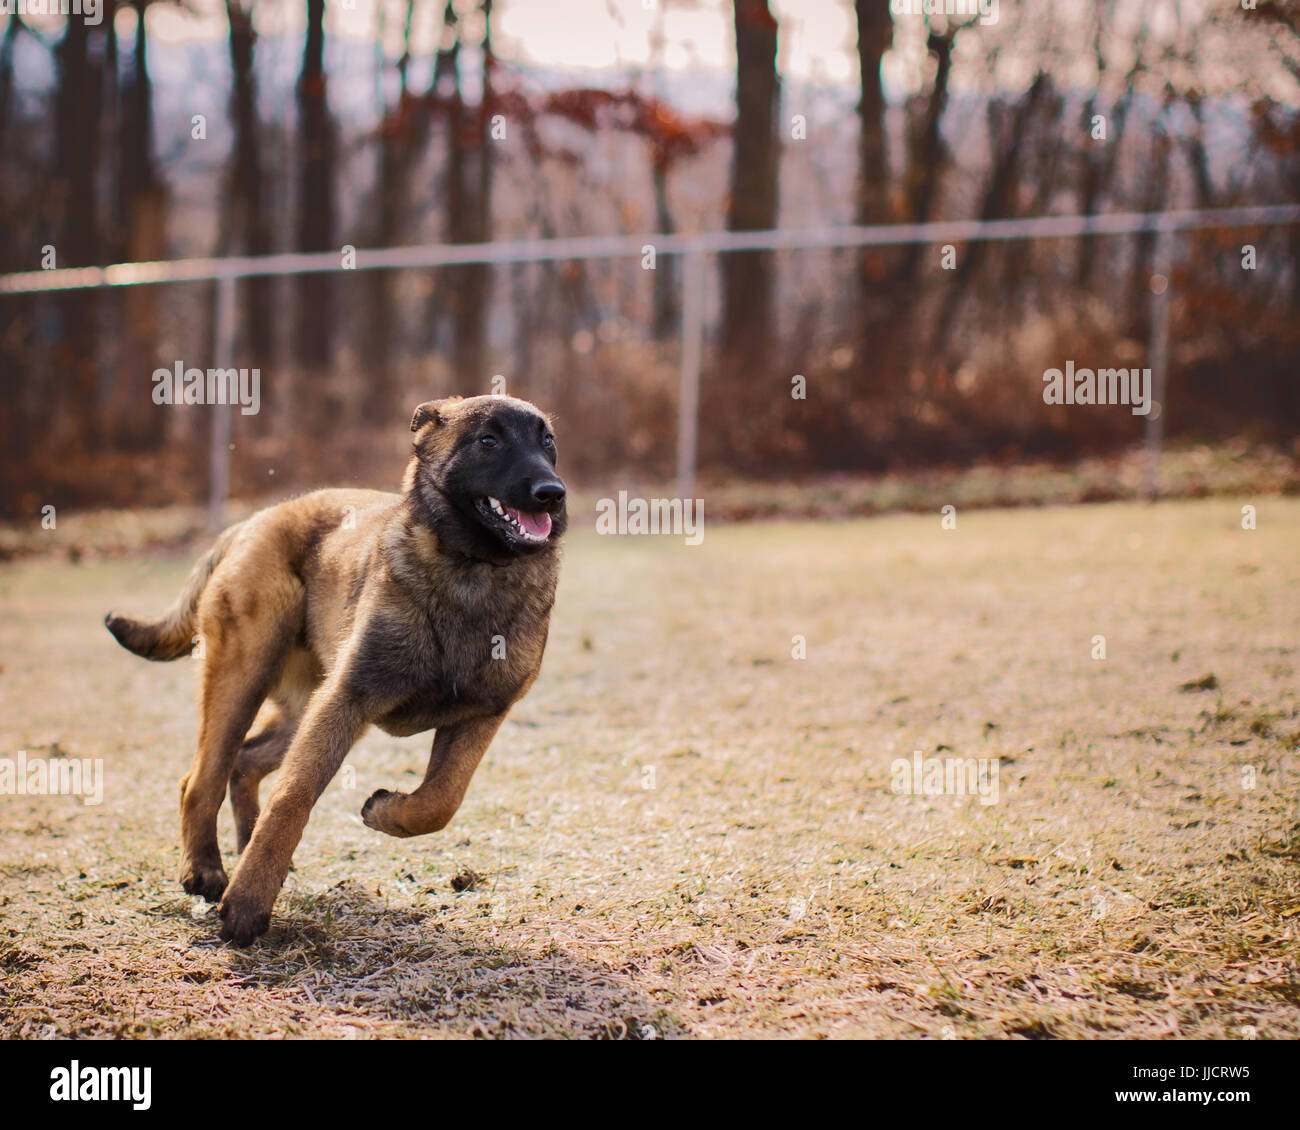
(219, 456)
(688, 400)
(1158, 354)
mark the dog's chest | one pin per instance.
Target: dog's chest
(451, 665)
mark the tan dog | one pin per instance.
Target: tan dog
(347, 608)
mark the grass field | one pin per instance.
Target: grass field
(685, 831)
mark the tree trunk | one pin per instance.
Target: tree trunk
(12, 28)
(1101, 161)
(926, 157)
(316, 160)
(875, 36)
(137, 424)
(468, 219)
(73, 384)
(748, 277)
(999, 200)
(395, 137)
(246, 192)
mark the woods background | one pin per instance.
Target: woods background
(247, 127)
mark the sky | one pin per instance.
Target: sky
(817, 41)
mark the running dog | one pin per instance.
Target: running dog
(425, 610)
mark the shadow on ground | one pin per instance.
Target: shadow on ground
(347, 951)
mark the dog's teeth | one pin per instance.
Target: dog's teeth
(515, 523)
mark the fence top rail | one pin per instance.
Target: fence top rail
(632, 246)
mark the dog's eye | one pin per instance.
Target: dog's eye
(548, 441)
(488, 441)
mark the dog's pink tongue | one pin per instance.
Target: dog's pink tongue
(538, 525)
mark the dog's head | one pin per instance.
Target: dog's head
(484, 472)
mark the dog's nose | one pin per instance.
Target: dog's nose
(548, 493)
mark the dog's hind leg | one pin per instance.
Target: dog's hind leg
(257, 757)
(244, 655)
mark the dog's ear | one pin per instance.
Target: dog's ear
(430, 412)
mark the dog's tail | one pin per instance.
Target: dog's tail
(173, 635)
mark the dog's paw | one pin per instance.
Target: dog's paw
(241, 922)
(382, 812)
(370, 810)
(205, 880)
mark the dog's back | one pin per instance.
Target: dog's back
(290, 539)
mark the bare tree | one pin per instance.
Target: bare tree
(12, 28)
(926, 155)
(748, 277)
(73, 384)
(1009, 154)
(143, 215)
(247, 221)
(469, 202)
(1100, 160)
(316, 203)
(398, 128)
(875, 37)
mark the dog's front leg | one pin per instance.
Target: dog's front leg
(457, 750)
(335, 718)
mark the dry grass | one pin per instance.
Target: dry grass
(1223, 470)
(683, 831)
